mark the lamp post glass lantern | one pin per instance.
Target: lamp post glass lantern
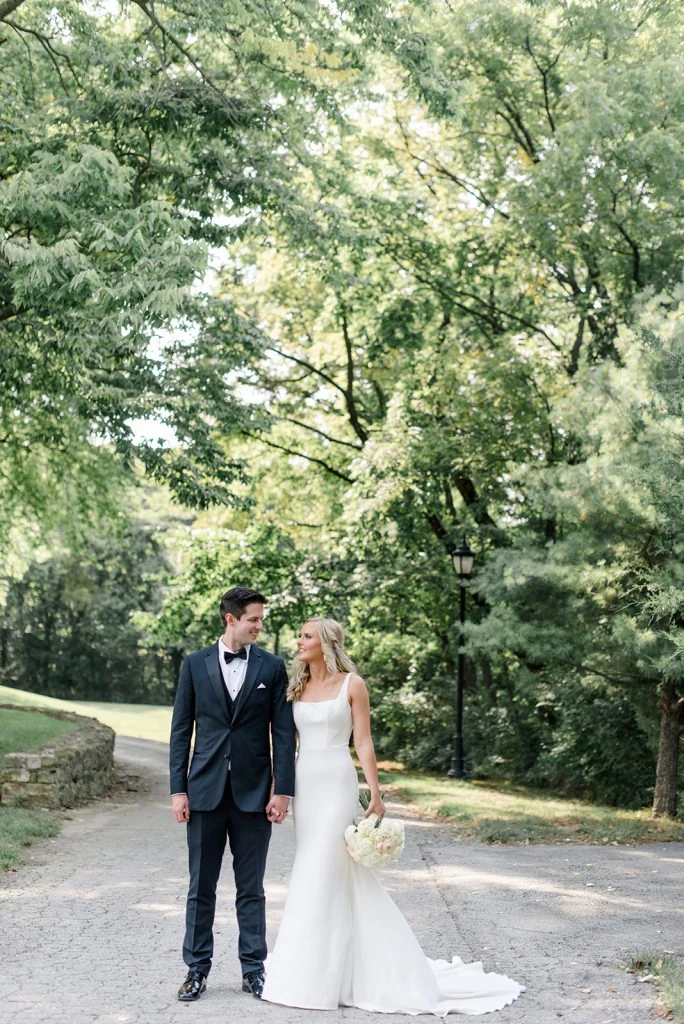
(462, 558)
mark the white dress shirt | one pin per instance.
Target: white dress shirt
(233, 672)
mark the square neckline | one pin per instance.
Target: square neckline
(329, 700)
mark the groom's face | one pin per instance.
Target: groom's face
(246, 629)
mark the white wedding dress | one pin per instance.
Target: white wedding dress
(342, 941)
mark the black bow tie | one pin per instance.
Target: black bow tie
(229, 655)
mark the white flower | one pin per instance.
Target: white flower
(373, 841)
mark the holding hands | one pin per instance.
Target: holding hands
(277, 808)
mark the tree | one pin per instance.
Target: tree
(73, 625)
(82, 287)
(602, 602)
(132, 145)
(557, 137)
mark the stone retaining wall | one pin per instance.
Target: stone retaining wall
(73, 768)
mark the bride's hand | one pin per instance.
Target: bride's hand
(376, 806)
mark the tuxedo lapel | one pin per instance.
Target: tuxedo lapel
(251, 676)
(214, 672)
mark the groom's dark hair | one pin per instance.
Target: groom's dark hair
(236, 600)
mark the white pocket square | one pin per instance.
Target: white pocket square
(261, 686)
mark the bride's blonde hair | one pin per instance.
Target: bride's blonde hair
(336, 659)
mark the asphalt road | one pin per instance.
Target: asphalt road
(91, 927)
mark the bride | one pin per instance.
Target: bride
(342, 941)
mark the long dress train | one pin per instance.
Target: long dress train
(342, 940)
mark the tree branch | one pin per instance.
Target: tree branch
(518, 130)
(449, 499)
(472, 190)
(620, 680)
(544, 72)
(440, 531)
(352, 410)
(466, 488)
(51, 52)
(308, 366)
(301, 455)
(486, 317)
(321, 433)
(636, 255)
(11, 311)
(444, 172)
(573, 365)
(380, 395)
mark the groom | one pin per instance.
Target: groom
(234, 696)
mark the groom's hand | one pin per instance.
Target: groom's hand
(180, 807)
(276, 809)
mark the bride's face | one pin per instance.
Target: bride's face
(309, 644)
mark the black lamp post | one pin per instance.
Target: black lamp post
(463, 566)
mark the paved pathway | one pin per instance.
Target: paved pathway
(91, 926)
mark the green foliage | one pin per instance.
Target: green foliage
(70, 625)
(132, 141)
(596, 613)
(412, 729)
(262, 556)
(509, 726)
(598, 750)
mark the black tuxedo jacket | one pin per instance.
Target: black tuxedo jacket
(257, 742)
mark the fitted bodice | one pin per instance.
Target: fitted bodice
(324, 724)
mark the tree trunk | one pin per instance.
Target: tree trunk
(671, 713)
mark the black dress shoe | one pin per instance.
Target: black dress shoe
(253, 982)
(193, 986)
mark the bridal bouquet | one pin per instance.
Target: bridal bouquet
(372, 841)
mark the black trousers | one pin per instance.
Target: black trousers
(248, 834)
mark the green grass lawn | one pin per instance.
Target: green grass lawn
(23, 730)
(667, 971)
(510, 814)
(144, 721)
